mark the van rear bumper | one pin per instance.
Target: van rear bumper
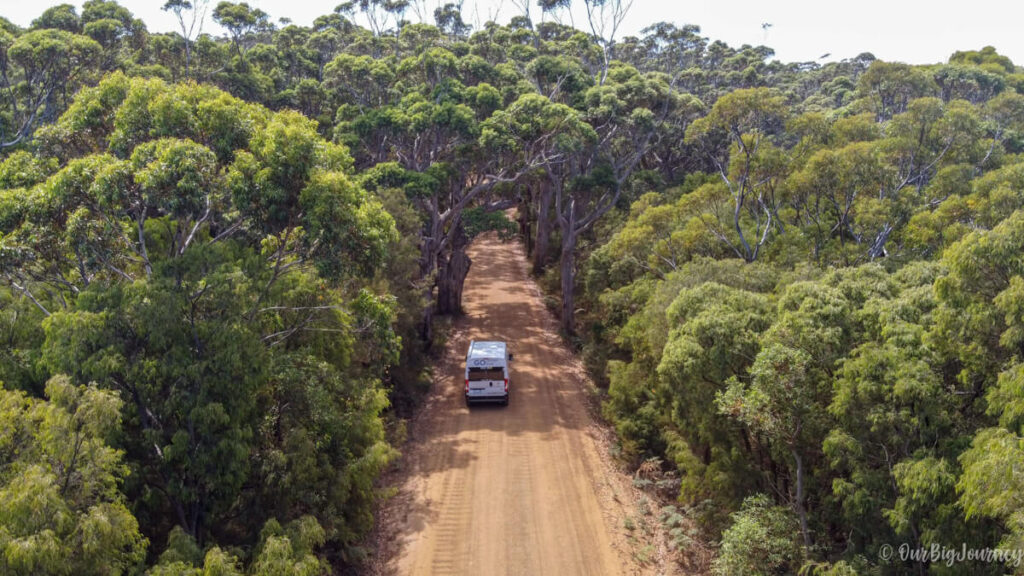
(474, 398)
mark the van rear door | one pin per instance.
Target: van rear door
(486, 382)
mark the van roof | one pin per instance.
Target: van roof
(486, 349)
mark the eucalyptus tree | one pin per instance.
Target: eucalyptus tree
(241, 21)
(383, 16)
(61, 507)
(831, 192)
(60, 17)
(665, 47)
(449, 20)
(430, 131)
(986, 58)
(605, 18)
(626, 115)
(39, 72)
(739, 135)
(433, 126)
(190, 249)
(783, 404)
(970, 83)
(761, 540)
(553, 73)
(121, 35)
(918, 143)
(325, 42)
(190, 16)
(977, 332)
(712, 333)
(1003, 118)
(513, 142)
(888, 87)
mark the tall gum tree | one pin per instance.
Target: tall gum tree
(39, 72)
(451, 145)
(626, 116)
(186, 238)
(737, 134)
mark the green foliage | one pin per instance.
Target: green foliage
(282, 550)
(477, 221)
(990, 485)
(986, 58)
(321, 444)
(43, 68)
(761, 541)
(861, 389)
(888, 87)
(215, 248)
(969, 323)
(61, 507)
(799, 280)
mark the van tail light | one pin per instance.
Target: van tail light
(467, 385)
(506, 385)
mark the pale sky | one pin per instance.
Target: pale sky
(913, 31)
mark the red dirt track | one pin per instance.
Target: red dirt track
(524, 489)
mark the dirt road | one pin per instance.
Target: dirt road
(524, 489)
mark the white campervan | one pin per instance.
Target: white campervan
(487, 372)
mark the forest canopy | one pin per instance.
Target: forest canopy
(223, 259)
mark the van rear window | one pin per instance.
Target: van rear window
(486, 374)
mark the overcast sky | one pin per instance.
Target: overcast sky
(914, 31)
